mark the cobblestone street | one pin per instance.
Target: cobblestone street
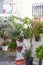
(7, 63)
(7, 58)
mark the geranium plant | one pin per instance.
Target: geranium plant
(41, 26)
(36, 27)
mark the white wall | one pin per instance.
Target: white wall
(24, 7)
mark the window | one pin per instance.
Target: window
(37, 9)
(7, 6)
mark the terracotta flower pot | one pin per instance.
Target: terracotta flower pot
(20, 62)
(19, 48)
(20, 40)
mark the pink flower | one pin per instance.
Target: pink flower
(41, 24)
(41, 29)
(38, 24)
(34, 26)
(37, 20)
(34, 20)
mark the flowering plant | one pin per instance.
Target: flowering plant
(37, 26)
(41, 26)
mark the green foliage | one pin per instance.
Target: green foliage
(12, 45)
(28, 32)
(37, 28)
(27, 54)
(39, 52)
(15, 33)
(20, 28)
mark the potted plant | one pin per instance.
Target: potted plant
(28, 58)
(5, 43)
(12, 46)
(36, 29)
(37, 38)
(20, 38)
(39, 54)
(27, 30)
(4, 37)
(4, 46)
(15, 34)
(3, 28)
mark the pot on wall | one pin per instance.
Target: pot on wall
(4, 48)
(37, 38)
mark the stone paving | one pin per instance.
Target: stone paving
(35, 45)
(7, 63)
(6, 59)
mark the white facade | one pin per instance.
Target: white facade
(23, 7)
(7, 7)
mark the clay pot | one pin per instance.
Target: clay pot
(19, 48)
(21, 40)
(20, 62)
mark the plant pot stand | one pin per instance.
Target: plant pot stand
(19, 57)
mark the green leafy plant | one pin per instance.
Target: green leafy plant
(41, 26)
(27, 31)
(37, 26)
(12, 45)
(4, 26)
(27, 54)
(17, 31)
(15, 34)
(39, 52)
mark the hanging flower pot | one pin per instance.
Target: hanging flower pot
(37, 38)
